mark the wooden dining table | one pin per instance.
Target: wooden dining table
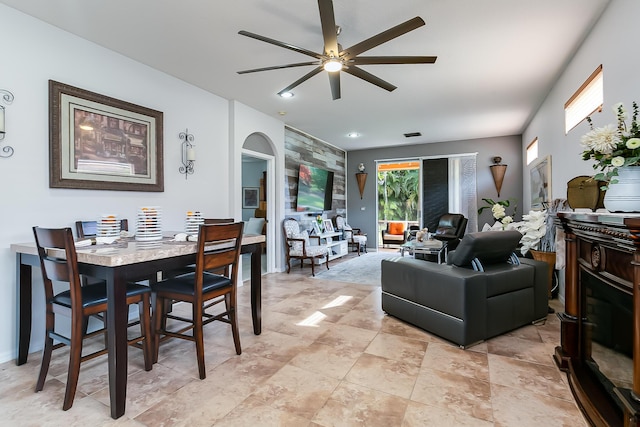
(124, 261)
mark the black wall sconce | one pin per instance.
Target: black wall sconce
(7, 98)
(361, 177)
(498, 170)
(188, 153)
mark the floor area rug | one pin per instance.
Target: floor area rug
(364, 269)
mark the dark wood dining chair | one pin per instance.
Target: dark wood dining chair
(86, 229)
(59, 263)
(215, 276)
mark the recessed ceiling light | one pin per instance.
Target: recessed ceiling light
(286, 94)
(353, 134)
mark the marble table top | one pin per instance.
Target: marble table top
(130, 251)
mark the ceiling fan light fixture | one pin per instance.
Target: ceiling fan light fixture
(333, 58)
(332, 65)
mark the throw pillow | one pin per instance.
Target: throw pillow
(253, 226)
(396, 228)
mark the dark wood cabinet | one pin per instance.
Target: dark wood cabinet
(600, 332)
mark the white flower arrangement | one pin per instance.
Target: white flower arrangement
(499, 212)
(533, 228)
(613, 146)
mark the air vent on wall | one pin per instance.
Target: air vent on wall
(412, 134)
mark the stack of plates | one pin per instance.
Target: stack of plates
(108, 226)
(192, 222)
(149, 223)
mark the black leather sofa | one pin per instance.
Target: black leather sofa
(466, 305)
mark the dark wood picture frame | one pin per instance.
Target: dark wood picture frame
(101, 143)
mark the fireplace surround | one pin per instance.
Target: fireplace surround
(600, 326)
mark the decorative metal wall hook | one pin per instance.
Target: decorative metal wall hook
(7, 98)
(188, 153)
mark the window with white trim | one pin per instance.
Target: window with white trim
(532, 151)
(587, 100)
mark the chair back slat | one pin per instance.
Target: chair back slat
(56, 269)
(214, 260)
(209, 221)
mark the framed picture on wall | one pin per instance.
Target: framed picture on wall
(540, 183)
(102, 143)
(250, 197)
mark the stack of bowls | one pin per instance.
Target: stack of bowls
(149, 223)
(192, 222)
(108, 226)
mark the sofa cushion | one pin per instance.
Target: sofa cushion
(490, 247)
(398, 237)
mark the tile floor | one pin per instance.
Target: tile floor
(328, 356)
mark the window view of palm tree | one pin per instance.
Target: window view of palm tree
(398, 192)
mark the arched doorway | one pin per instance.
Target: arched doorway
(257, 176)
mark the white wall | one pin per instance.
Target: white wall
(37, 52)
(612, 43)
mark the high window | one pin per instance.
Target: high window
(532, 151)
(587, 99)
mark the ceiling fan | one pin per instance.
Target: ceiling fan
(335, 59)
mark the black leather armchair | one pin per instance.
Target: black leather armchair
(451, 228)
(484, 291)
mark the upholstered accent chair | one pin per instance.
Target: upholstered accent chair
(298, 246)
(353, 236)
(395, 234)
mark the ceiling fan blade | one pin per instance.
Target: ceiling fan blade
(360, 73)
(281, 44)
(371, 60)
(277, 67)
(301, 80)
(382, 37)
(334, 81)
(328, 22)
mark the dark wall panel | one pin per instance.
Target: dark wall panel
(435, 190)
